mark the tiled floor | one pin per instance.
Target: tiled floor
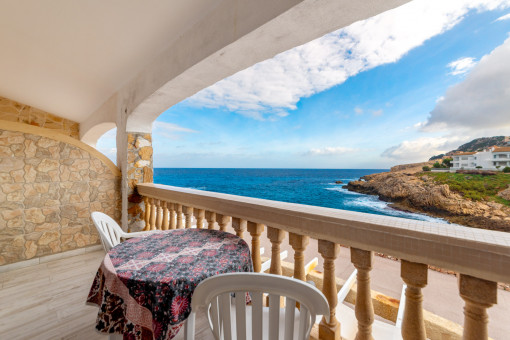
(47, 301)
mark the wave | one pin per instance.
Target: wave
(369, 203)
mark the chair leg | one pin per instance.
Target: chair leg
(189, 327)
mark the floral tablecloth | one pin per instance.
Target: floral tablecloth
(144, 285)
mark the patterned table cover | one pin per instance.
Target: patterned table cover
(144, 285)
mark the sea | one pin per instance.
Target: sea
(305, 186)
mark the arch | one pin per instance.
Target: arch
(52, 134)
(92, 135)
(233, 36)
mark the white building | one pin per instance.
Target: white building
(493, 158)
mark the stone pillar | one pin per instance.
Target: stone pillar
(255, 230)
(329, 251)
(299, 243)
(138, 170)
(362, 261)
(276, 237)
(415, 277)
(239, 226)
(479, 295)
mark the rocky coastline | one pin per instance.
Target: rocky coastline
(409, 190)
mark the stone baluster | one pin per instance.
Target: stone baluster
(298, 244)
(276, 237)
(222, 221)
(239, 226)
(159, 215)
(178, 211)
(415, 277)
(255, 230)
(166, 222)
(153, 214)
(329, 251)
(478, 294)
(199, 215)
(364, 309)
(147, 216)
(211, 219)
(188, 211)
(173, 216)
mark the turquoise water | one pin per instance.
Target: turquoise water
(306, 186)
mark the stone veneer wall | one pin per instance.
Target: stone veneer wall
(139, 170)
(16, 112)
(49, 184)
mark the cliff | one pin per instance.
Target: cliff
(410, 190)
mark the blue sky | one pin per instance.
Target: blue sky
(393, 89)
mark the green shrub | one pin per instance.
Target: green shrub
(436, 165)
(447, 162)
(479, 167)
(426, 168)
(506, 169)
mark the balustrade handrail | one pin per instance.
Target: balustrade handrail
(476, 252)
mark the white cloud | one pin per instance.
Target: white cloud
(461, 66)
(277, 84)
(358, 110)
(327, 151)
(504, 17)
(481, 100)
(421, 149)
(169, 130)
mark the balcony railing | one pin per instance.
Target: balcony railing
(481, 257)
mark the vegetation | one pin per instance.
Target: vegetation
(445, 163)
(426, 168)
(475, 187)
(506, 169)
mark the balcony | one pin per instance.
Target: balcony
(480, 256)
(50, 296)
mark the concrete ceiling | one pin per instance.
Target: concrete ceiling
(68, 57)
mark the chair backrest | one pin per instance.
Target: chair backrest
(229, 315)
(108, 229)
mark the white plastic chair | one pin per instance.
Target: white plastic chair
(110, 231)
(230, 317)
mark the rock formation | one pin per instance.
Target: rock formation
(411, 192)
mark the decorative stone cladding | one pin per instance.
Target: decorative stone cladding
(16, 112)
(139, 170)
(48, 187)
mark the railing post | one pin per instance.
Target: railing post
(153, 214)
(211, 219)
(329, 251)
(200, 218)
(415, 277)
(298, 244)
(188, 211)
(159, 215)
(276, 237)
(239, 226)
(147, 216)
(178, 211)
(173, 216)
(222, 221)
(165, 216)
(479, 295)
(255, 230)
(362, 261)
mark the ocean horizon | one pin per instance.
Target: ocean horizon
(304, 186)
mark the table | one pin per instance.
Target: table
(144, 285)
